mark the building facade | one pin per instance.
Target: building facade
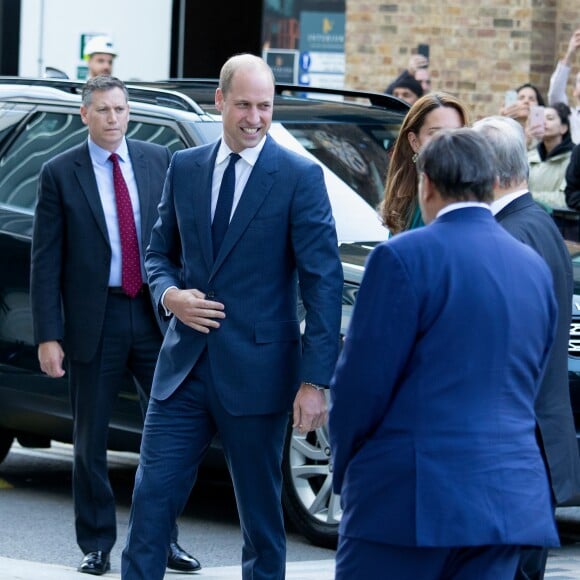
(478, 50)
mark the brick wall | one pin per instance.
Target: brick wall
(479, 48)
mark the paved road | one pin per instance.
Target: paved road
(38, 539)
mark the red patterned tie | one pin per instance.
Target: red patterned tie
(131, 280)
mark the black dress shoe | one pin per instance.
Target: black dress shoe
(179, 559)
(95, 563)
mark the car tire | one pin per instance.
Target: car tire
(6, 439)
(308, 500)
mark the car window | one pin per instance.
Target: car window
(47, 134)
(155, 133)
(357, 154)
(44, 135)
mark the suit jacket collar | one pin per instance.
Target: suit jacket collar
(143, 178)
(86, 178)
(257, 189)
(516, 205)
(463, 213)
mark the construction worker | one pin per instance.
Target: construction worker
(99, 53)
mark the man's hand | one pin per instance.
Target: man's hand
(310, 411)
(191, 308)
(50, 356)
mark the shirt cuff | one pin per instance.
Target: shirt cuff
(167, 312)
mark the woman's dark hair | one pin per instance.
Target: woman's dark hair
(564, 113)
(539, 97)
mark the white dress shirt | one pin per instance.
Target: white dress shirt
(103, 169)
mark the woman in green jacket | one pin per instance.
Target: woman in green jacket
(549, 160)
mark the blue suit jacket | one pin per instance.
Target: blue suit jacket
(282, 227)
(432, 419)
(524, 219)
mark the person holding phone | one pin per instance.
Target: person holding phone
(549, 160)
(518, 108)
(418, 68)
(559, 80)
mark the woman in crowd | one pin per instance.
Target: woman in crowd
(549, 160)
(528, 96)
(431, 113)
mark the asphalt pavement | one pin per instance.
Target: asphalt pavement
(22, 570)
(561, 566)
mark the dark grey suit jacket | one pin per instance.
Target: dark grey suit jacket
(529, 223)
(71, 252)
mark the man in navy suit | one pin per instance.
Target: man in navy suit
(515, 209)
(432, 419)
(80, 301)
(233, 361)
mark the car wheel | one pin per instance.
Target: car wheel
(308, 499)
(6, 439)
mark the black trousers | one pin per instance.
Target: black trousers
(532, 563)
(128, 350)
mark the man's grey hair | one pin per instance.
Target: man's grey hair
(508, 141)
(460, 164)
(101, 83)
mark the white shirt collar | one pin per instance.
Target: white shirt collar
(249, 155)
(101, 155)
(505, 200)
(461, 205)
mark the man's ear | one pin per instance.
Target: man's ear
(429, 199)
(427, 188)
(219, 99)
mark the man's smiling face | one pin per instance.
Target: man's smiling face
(247, 107)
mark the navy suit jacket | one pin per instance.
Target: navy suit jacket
(71, 252)
(432, 417)
(282, 228)
(524, 219)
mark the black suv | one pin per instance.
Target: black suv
(349, 133)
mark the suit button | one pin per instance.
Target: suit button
(210, 295)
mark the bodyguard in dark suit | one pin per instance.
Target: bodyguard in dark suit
(515, 209)
(232, 361)
(96, 206)
(432, 419)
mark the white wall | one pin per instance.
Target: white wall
(50, 35)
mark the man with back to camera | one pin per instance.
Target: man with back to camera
(240, 222)
(432, 423)
(92, 223)
(99, 52)
(516, 210)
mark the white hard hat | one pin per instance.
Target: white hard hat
(99, 44)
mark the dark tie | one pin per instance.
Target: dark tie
(223, 209)
(131, 280)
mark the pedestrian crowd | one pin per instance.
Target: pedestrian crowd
(449, 416)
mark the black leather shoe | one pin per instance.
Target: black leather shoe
(179, 559)
(95, 563)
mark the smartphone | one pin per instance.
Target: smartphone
(536, 115)
(423, 49)
(536, 120)
(510, 98)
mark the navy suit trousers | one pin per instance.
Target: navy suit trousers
(177, 434)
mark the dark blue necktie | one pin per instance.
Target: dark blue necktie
(223, 209)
